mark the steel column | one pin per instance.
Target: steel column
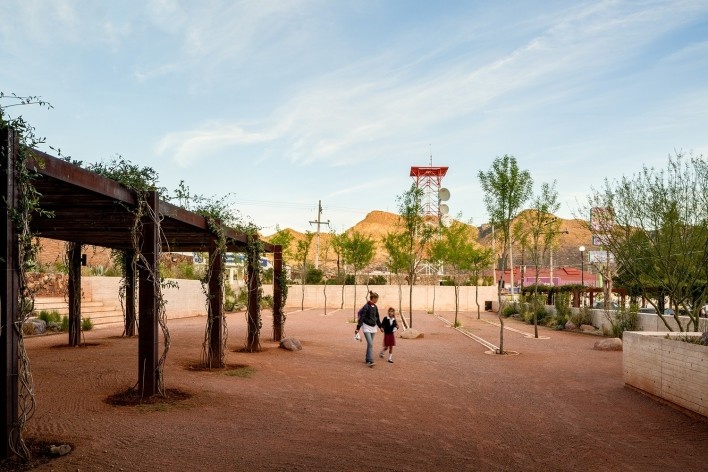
(216, 305)
(9, 296)
(74, 257)
(277, 294)
(148, 277)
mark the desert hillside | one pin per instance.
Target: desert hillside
(377, 224)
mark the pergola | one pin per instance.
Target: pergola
(87, 208)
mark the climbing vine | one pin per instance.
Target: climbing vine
(219, 214)
(142, 180)
(254, 250)
(27, 206)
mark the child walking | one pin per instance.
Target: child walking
(389, 326)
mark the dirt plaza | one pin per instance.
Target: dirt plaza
(445, 404)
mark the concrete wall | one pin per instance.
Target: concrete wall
(646, 322)
(388, 296)
(667, 368)
(187, 300)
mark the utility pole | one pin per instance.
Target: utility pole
(317, 240)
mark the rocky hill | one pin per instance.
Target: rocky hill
(377, 224)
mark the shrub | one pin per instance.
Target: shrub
(563, 311)
(267, 301)
(582, 316)
(49, 316)
(28, 329)
(314, 276)
(378, 280)
(86, 324)
(64, 323)
(511, 309)
(624, 320)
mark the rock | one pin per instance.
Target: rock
(570, 325)
(704, 339)
(587, 327)
(39, 326)
(610, 344)
(62, 450)
(291, 344)
(411, 334)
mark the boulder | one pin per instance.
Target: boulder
(704, 339)
(570, 325)
(586, 327)
(291, 344)
(610, 344)
(39, 326)
(411, 334)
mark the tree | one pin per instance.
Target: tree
(284, 239)
(358, 251)
(506, 188)
(417, 234)
(480, 259)
(395, 245)
(301, 253)
(655, 227)
(338, 243)
(454, 251)
(540, 229)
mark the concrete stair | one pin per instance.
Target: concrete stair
(102, 315)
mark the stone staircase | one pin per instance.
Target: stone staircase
(102, 315)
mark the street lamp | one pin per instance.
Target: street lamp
(582, 271)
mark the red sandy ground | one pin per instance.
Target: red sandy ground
(443, 405)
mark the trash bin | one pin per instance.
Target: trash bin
(487, 305)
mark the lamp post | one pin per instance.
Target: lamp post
(582, 271)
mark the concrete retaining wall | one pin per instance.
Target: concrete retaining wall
(667, 368)
(646, 322)
(185, 301)
(423, 295)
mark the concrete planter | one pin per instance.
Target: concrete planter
(670, 369)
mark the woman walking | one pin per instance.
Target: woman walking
(369, 322)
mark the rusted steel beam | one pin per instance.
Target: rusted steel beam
(61, 170)
(277, 293)
(253, 336)
(9, 296)
(74, 256)
(148, 276)
(216, 305)
(130, 284)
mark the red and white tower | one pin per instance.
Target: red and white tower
(430, 180)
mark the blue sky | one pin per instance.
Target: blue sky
(279, 104)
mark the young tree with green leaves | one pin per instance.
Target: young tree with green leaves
(395, 246)
(417, 234)
(506, 189)
(284, 239)
(656, 230)
(338, 243)
(541, 229)
(480, 259)
(454, 251)
(358, 252)
(301, 254)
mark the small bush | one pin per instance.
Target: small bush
(378, 280)
(28, 329)
(511, 309)
(64, 323)
(582, 317)
(624, 320)
(86, 324)
(49, 316)
(267, 301)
